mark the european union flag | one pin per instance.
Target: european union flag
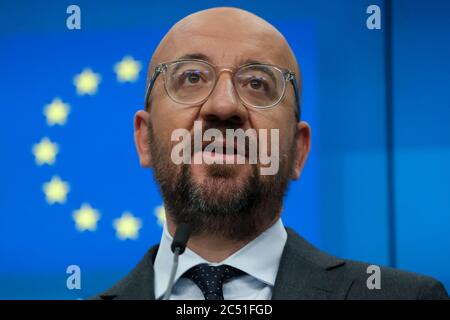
(72, 191)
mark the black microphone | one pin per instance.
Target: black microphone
(181, 237)
(179, 242)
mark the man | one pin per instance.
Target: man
(223, 69)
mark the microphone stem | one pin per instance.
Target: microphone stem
(176, 253)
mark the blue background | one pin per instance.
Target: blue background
(376, 187)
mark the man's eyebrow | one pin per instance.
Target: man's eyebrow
(252, 61)
(196, 55)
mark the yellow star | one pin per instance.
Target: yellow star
(56, 112)
(160, 214)
(127, 226)
(127, 69)
(86, 218)
(45, 152)
(86, 82)
(56, 190)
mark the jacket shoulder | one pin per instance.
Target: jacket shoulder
(136, 285)
(372, 281)
(362, 280)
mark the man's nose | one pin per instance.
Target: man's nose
(224, 103)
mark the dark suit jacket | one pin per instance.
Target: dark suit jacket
(304, 273)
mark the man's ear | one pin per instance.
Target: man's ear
(303, 141)
(141, 138)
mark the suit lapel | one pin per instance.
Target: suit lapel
(307, 273)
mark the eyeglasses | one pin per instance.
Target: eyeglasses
(191, 82)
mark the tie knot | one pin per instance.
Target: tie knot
(210, 279)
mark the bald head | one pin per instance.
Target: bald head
(230, 36)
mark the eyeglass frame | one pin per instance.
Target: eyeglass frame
(288, 75)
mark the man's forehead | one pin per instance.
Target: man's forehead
(228, 53)
(225, 39)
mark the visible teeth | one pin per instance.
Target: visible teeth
(213, 152)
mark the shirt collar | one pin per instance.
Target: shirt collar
(252, 258)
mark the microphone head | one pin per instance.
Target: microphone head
(181, 237)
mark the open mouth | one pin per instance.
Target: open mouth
(219, 151)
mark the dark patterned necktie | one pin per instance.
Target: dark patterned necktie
(211, 279)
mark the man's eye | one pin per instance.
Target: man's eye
(256, 84)
(193, 77)
(190, 77)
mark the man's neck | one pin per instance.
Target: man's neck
(213, 248)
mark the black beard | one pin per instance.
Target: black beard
(232, 213)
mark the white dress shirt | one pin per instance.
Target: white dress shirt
(260, 259)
